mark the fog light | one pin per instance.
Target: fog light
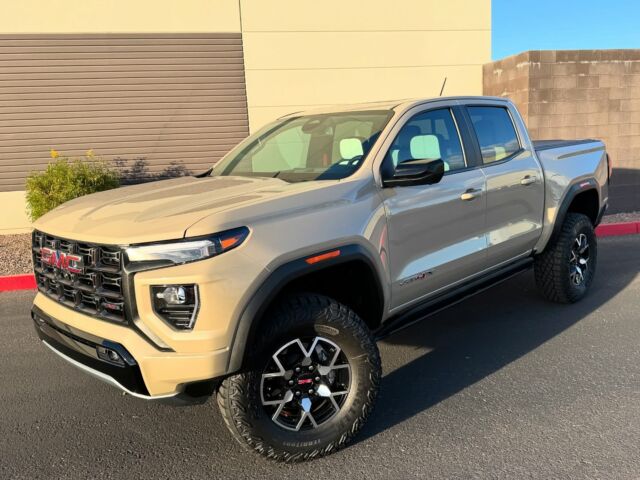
(174, 295)
(176, 304)
(109, 355)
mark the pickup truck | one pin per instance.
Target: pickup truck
(267, 280)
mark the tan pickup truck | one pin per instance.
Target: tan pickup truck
(268, 279)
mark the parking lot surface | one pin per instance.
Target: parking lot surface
(503, 385)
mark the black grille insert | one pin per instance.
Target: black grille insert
(97, 290)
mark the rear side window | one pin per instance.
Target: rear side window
(495, 131)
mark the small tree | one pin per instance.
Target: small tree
(66, 179)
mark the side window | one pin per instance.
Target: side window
(431, 134)
(495, 131)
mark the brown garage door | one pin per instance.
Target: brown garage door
(158, 105)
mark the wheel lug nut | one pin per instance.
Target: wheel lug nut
(310, 367)
(297, 393)
(317, 379)
(297, 369)
(311, 390)
(291, 382)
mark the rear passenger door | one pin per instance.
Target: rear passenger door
(514, 182)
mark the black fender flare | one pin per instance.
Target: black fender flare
(277, 280)
(573, 191)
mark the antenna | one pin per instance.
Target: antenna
(443, 84)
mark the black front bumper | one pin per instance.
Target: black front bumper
(81, 348)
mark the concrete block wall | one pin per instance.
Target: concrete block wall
(580, 94)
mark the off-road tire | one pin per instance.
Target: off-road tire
(552, 266)
(239, 396)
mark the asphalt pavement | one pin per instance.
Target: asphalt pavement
(503, 385)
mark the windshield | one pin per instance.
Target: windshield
(314, 147)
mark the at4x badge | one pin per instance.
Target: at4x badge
(67, 262)
(416, 277)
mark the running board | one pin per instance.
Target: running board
(455, 295)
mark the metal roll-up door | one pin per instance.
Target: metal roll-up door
(156, 104)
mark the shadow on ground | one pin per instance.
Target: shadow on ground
(481, 335)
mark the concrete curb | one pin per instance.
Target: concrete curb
(28, 282)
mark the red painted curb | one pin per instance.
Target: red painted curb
(17, 282)
(616, 229)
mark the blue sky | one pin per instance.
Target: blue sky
(520, 25)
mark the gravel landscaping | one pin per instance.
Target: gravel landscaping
(15, 254)
(622, 217)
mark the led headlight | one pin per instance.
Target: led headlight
(188, 250)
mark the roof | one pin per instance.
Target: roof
(400, 104)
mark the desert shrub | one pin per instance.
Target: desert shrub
(65, 179)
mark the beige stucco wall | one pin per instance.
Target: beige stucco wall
(13, 214)
(301, 54)
(119, 16)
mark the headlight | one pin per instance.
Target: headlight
(189, 250)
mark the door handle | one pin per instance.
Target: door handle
(470, 194)
(528, 180)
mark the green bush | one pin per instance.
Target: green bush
(64, 180)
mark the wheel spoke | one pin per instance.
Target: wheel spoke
(303, 417)
(288, 396)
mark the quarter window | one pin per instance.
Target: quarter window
(429, 135)
(495, 131)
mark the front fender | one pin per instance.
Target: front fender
(282, 276)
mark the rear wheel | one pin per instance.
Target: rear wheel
(566, 268)
(312, 382)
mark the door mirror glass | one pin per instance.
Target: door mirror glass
(416, 172)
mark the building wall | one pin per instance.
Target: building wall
(300, 54)
(119, 16)
(57, 56)
(576, 94)
(156, 85)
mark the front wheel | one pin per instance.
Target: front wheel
(311, 384)
(565, 269)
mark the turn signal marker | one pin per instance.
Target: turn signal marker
(323, 257)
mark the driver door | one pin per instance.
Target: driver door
(436, 232)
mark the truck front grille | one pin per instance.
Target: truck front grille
(96, 290)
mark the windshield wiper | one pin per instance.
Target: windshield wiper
(204, 174)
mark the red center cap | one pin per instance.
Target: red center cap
(304, 381)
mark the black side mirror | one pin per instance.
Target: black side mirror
(415, 172)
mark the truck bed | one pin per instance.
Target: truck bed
(540, 145)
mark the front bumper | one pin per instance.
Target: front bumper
(81, 351)
(148, 372)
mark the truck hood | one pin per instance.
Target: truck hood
(161, 210)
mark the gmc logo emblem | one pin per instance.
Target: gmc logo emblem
(67, 262)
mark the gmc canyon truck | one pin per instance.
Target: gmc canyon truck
(268, 279)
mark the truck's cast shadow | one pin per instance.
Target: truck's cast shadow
(464, 344)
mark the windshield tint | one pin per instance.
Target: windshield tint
(314, 147)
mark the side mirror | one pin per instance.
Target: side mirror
(415, 172)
